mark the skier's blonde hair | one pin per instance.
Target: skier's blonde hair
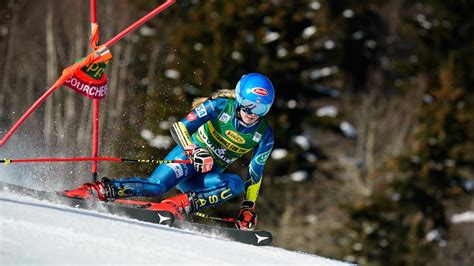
(224, 93)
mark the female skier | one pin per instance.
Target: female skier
(219, 130)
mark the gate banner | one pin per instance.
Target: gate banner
(90, 81)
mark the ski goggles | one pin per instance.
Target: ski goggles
(250, 107)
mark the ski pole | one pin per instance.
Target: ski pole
(222, 219)
(119, 160)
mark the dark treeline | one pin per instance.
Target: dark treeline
(373, 119)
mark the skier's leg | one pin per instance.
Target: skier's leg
(164, 178)
(213, 188)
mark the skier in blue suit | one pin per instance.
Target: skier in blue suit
(219, 130)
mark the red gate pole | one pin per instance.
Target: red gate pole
(139, 22)
(95, 140)
(95, 122)
(27, 114)
(108, 44)
(93, 11)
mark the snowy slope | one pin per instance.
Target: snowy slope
(33, 231)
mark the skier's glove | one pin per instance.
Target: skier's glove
(247, 216)
(201, 158)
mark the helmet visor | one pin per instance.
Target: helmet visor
(251, 107)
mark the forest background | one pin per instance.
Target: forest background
(373, 120)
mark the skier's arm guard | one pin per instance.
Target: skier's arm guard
(255, 173)
(252, 188)
(181, 135)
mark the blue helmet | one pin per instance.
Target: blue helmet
(255, 94)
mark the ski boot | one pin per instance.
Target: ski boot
(183, 203)
(103, 190)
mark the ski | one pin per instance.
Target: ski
(251, 237)
(145, 211)
(136, 210)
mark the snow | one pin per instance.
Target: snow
(300, 49)
(281, 52)
(329, 44)
(330, 111)
(465, 217)
(172, 74)
(278, 154)
(299, 176)
(157, 141)
(315, 5)
(147, 31)
(309, 31)
(271, 36)
(302, 141)
(348, 129)
(38, 232)
(323, 72)
(348, 13)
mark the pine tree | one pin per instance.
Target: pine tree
(405, 221)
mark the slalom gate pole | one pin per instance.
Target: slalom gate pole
(27, 114)
(95, 139)
(139, 22)
(96, 103)
(221, 219)
(93, 8)
(111, 159)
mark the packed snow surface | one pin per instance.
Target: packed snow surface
(39, 232)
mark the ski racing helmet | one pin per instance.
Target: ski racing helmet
(254, 94)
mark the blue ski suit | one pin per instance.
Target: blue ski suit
(213, 187)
